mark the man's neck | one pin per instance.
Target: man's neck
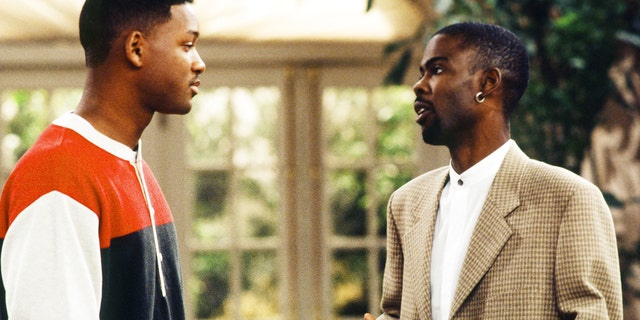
(465, 157)
(114, 123)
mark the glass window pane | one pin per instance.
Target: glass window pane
(345, 113)
(208, 126)
(350, 282)
(25, 114)
(395, 119)
(210, 284)
(347, 194)
(257, 203)
(261, 296)
(210, 219)
(255, 126)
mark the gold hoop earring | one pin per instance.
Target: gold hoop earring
(479, 97)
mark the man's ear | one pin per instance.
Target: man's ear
(491, 81)
(134, 48)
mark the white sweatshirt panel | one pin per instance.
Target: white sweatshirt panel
(54, 250)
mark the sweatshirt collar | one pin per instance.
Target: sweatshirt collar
(81, 126)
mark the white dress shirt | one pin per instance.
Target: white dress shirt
(460, 204)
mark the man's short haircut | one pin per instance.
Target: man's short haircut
(498, 47)
(102, 21)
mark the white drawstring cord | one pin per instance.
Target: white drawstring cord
(152, 215)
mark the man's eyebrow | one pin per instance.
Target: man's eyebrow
(434, 60)
(427, 65)
(195, 33)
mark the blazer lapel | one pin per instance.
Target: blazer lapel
(425, 210)
(491, 231)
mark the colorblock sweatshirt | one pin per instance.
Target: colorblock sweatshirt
(86, 233)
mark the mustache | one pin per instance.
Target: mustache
(423, 101)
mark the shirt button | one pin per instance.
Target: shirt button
(460, 182)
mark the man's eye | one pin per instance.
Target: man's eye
(437, 70)
(189, 45)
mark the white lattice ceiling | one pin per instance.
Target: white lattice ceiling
(245, 20)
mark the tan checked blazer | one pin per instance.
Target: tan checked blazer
(544, 247)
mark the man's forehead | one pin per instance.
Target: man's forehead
(183, 10)
(446, 43)
(445, 46)
(183, 15)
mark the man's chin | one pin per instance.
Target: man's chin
(180, 111)
(431, 138)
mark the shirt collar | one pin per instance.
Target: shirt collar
(81, 126)
(486, 168)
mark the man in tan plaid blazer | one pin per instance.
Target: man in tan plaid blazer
(540, 240)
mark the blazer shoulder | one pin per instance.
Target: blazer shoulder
(423, 181)
(553, 177)
(424, 187)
